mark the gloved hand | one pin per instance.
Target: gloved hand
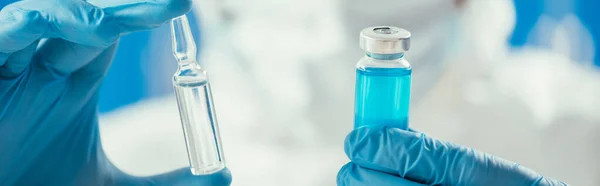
(388, 156)
(49, 89)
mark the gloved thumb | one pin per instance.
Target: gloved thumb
(179, 177)
(426, 160)
(185, 177)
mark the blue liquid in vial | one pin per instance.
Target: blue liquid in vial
(382, 97)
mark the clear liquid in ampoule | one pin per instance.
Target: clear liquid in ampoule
(198, 119)
(196, 107)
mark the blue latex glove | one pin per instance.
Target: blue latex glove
(388, 156)
(49, 93)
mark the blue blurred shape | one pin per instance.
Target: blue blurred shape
(527, 14)
(590, 16)
(529, 11)
(3, 3)
(124, 83)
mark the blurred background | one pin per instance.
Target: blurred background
(517, 79)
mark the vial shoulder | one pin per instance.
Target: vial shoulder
(368, 62)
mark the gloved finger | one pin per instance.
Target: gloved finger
(18, 61)
(431, 161)
(136, 15)
(180, 177)
(133, 15)
(79, 22)
(354, 175)
(18, 29)
(72, 20)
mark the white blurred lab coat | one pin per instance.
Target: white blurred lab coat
(283, 79)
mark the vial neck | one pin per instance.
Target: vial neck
(385, 56)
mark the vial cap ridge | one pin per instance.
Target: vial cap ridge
(384, 40)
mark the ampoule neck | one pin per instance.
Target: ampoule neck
(385, 56)
(188, 64)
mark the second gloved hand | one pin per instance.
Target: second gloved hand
(389, 157)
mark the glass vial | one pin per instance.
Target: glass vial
(383, 78)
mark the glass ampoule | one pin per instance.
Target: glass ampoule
(196, 107)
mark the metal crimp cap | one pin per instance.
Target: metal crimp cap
(384, 40)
